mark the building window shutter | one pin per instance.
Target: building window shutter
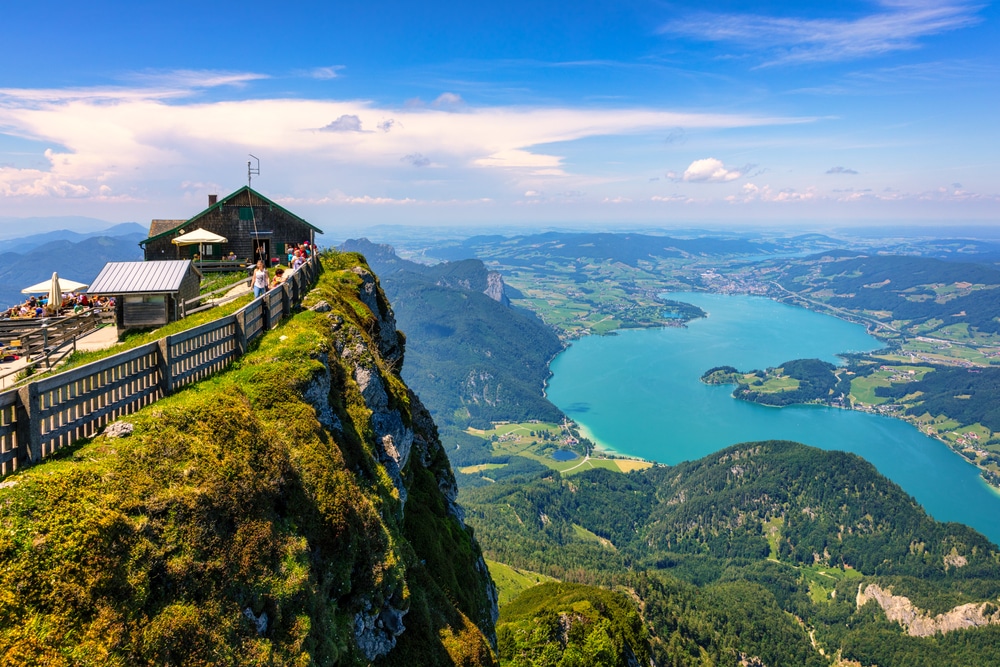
(246, 213)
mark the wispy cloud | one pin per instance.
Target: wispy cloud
(323, 73)
(187, 78)
(147, 85)
(416, 160)
(841, 170)
(896, 25)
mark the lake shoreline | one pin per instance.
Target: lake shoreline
(636, 395)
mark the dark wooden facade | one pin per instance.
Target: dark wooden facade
(254, 226)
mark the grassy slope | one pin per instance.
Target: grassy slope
(230, 495)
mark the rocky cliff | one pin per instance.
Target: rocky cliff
(295, 509)
(919, 623)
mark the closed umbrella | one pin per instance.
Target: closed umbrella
(55, 294)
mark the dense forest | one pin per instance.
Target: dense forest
(471, 358)
(732, 541)
(967, 395)
(816, 381)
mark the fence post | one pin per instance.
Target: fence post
(295, 287)
(286, 301)
(163, 361)
(240, 332)
(29, 429)
(265, 313)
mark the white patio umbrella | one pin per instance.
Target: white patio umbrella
(199, 237)
(64, 286)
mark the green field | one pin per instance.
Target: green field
(594, 297)
(511, 581)
(822, 580)
(538, 440)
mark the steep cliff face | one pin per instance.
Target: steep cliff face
(295, 509)
(919, 623)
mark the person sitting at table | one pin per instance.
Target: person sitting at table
(231, 257)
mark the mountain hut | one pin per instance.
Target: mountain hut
(253, 225)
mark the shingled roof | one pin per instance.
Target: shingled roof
(157, 227)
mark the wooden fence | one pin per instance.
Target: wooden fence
(34, 338)
(44, 416)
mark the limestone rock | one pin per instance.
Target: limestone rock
(918, 623)
(375, 631)
(118, 429)
(495, 288)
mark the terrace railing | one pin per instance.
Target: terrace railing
(42, 417)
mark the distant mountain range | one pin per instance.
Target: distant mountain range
(23, 244)
(13, 227)
(78, 256)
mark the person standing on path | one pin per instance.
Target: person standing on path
(259, 279)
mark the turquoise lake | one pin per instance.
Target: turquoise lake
(640, 393)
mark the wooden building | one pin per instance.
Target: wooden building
(254, 226)
(148, 294)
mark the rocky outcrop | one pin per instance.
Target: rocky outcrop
(495, 288)
(919, 623)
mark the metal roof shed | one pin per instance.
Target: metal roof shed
(148, 294)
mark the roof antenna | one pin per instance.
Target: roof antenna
(252, 170)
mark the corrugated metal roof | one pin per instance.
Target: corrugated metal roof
(132, 277)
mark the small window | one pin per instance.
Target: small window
(246, 213)
(144, 298)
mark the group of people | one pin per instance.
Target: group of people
(262, 281)
(72, 303)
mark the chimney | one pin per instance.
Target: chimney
(213, 199)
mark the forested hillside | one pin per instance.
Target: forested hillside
(923, 293)
(472, 358)
(755, 531)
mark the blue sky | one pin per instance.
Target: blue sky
(620, 113)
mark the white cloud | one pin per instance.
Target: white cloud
(346, 123)
(134, 140)
(708, 170)
(751, 192)
(897, 25)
